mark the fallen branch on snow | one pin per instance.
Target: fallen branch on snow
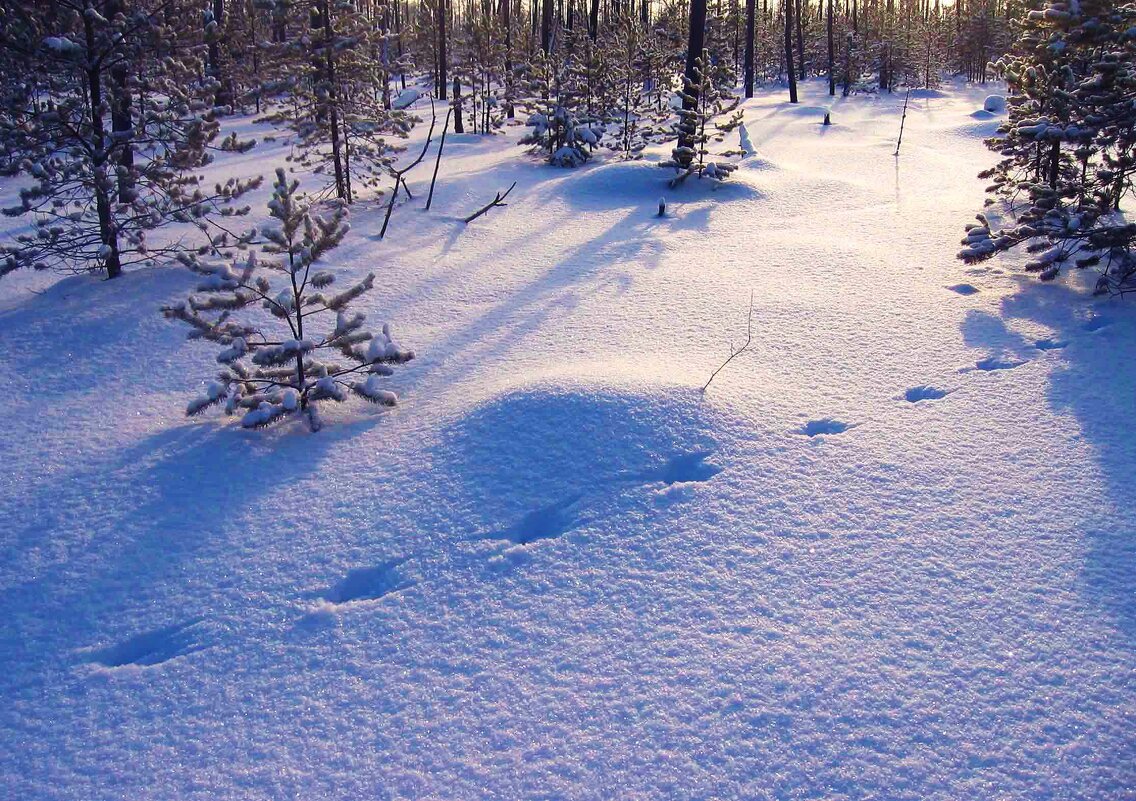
(497, 201)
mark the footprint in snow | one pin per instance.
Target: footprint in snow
(998, 363)
(815, 428)
(1050, 344)
(964, 289)
(369, 583)
(683, 468)
(547, 523)
(1096, 324)
(922, 393)
(155, 647)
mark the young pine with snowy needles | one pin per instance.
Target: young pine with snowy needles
(291, 369)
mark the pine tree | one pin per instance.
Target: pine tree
(1067, 145)
(703, 103)
(113, 125)
(336, 101)
(292, 368)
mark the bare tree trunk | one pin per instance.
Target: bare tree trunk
(443, 67)
(789, 51)
(546, 10)
(831, 55)
(751, 9)
(459, 126)
(594, 20)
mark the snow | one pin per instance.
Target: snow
(995, 104)
(406, 98)
(888, 554)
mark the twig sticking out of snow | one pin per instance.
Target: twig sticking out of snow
(499, 200)
(734, 353)
(399, 180)
(902, 120)
(438, 161)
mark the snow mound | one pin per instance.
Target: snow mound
(406, 98)
(995, 104)
(928, 94)
(534, 462)
(630, 184)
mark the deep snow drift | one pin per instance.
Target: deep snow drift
(889, 554)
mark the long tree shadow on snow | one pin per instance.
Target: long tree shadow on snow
(1091, 338)
(157, 526)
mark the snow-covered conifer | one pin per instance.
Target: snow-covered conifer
(1067, 145)
(117, 120)
(704, 103)
(307, 346)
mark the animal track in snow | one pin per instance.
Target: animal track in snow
(683, 468)
(964, 289)
(369, 583)
(1050, 344)
(998, 363)
(916, 394)
(547, 523)
(815, 428)
(154, 647)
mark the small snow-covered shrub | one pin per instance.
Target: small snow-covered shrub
(270, 372)
(568, 141)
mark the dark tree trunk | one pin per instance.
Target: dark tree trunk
(594, 20)
(694, 45)
(789, 51)
(443, 67)
(507, 21)
(848, 64)
(800, 41)
(107, 233)
(224, 96)
(459, 126)
(831, 55)
(332, 116)
(546, 16)
(751, 10)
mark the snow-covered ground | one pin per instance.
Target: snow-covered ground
(890, 553)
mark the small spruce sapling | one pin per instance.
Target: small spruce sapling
(698, 125)
(292, 368)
